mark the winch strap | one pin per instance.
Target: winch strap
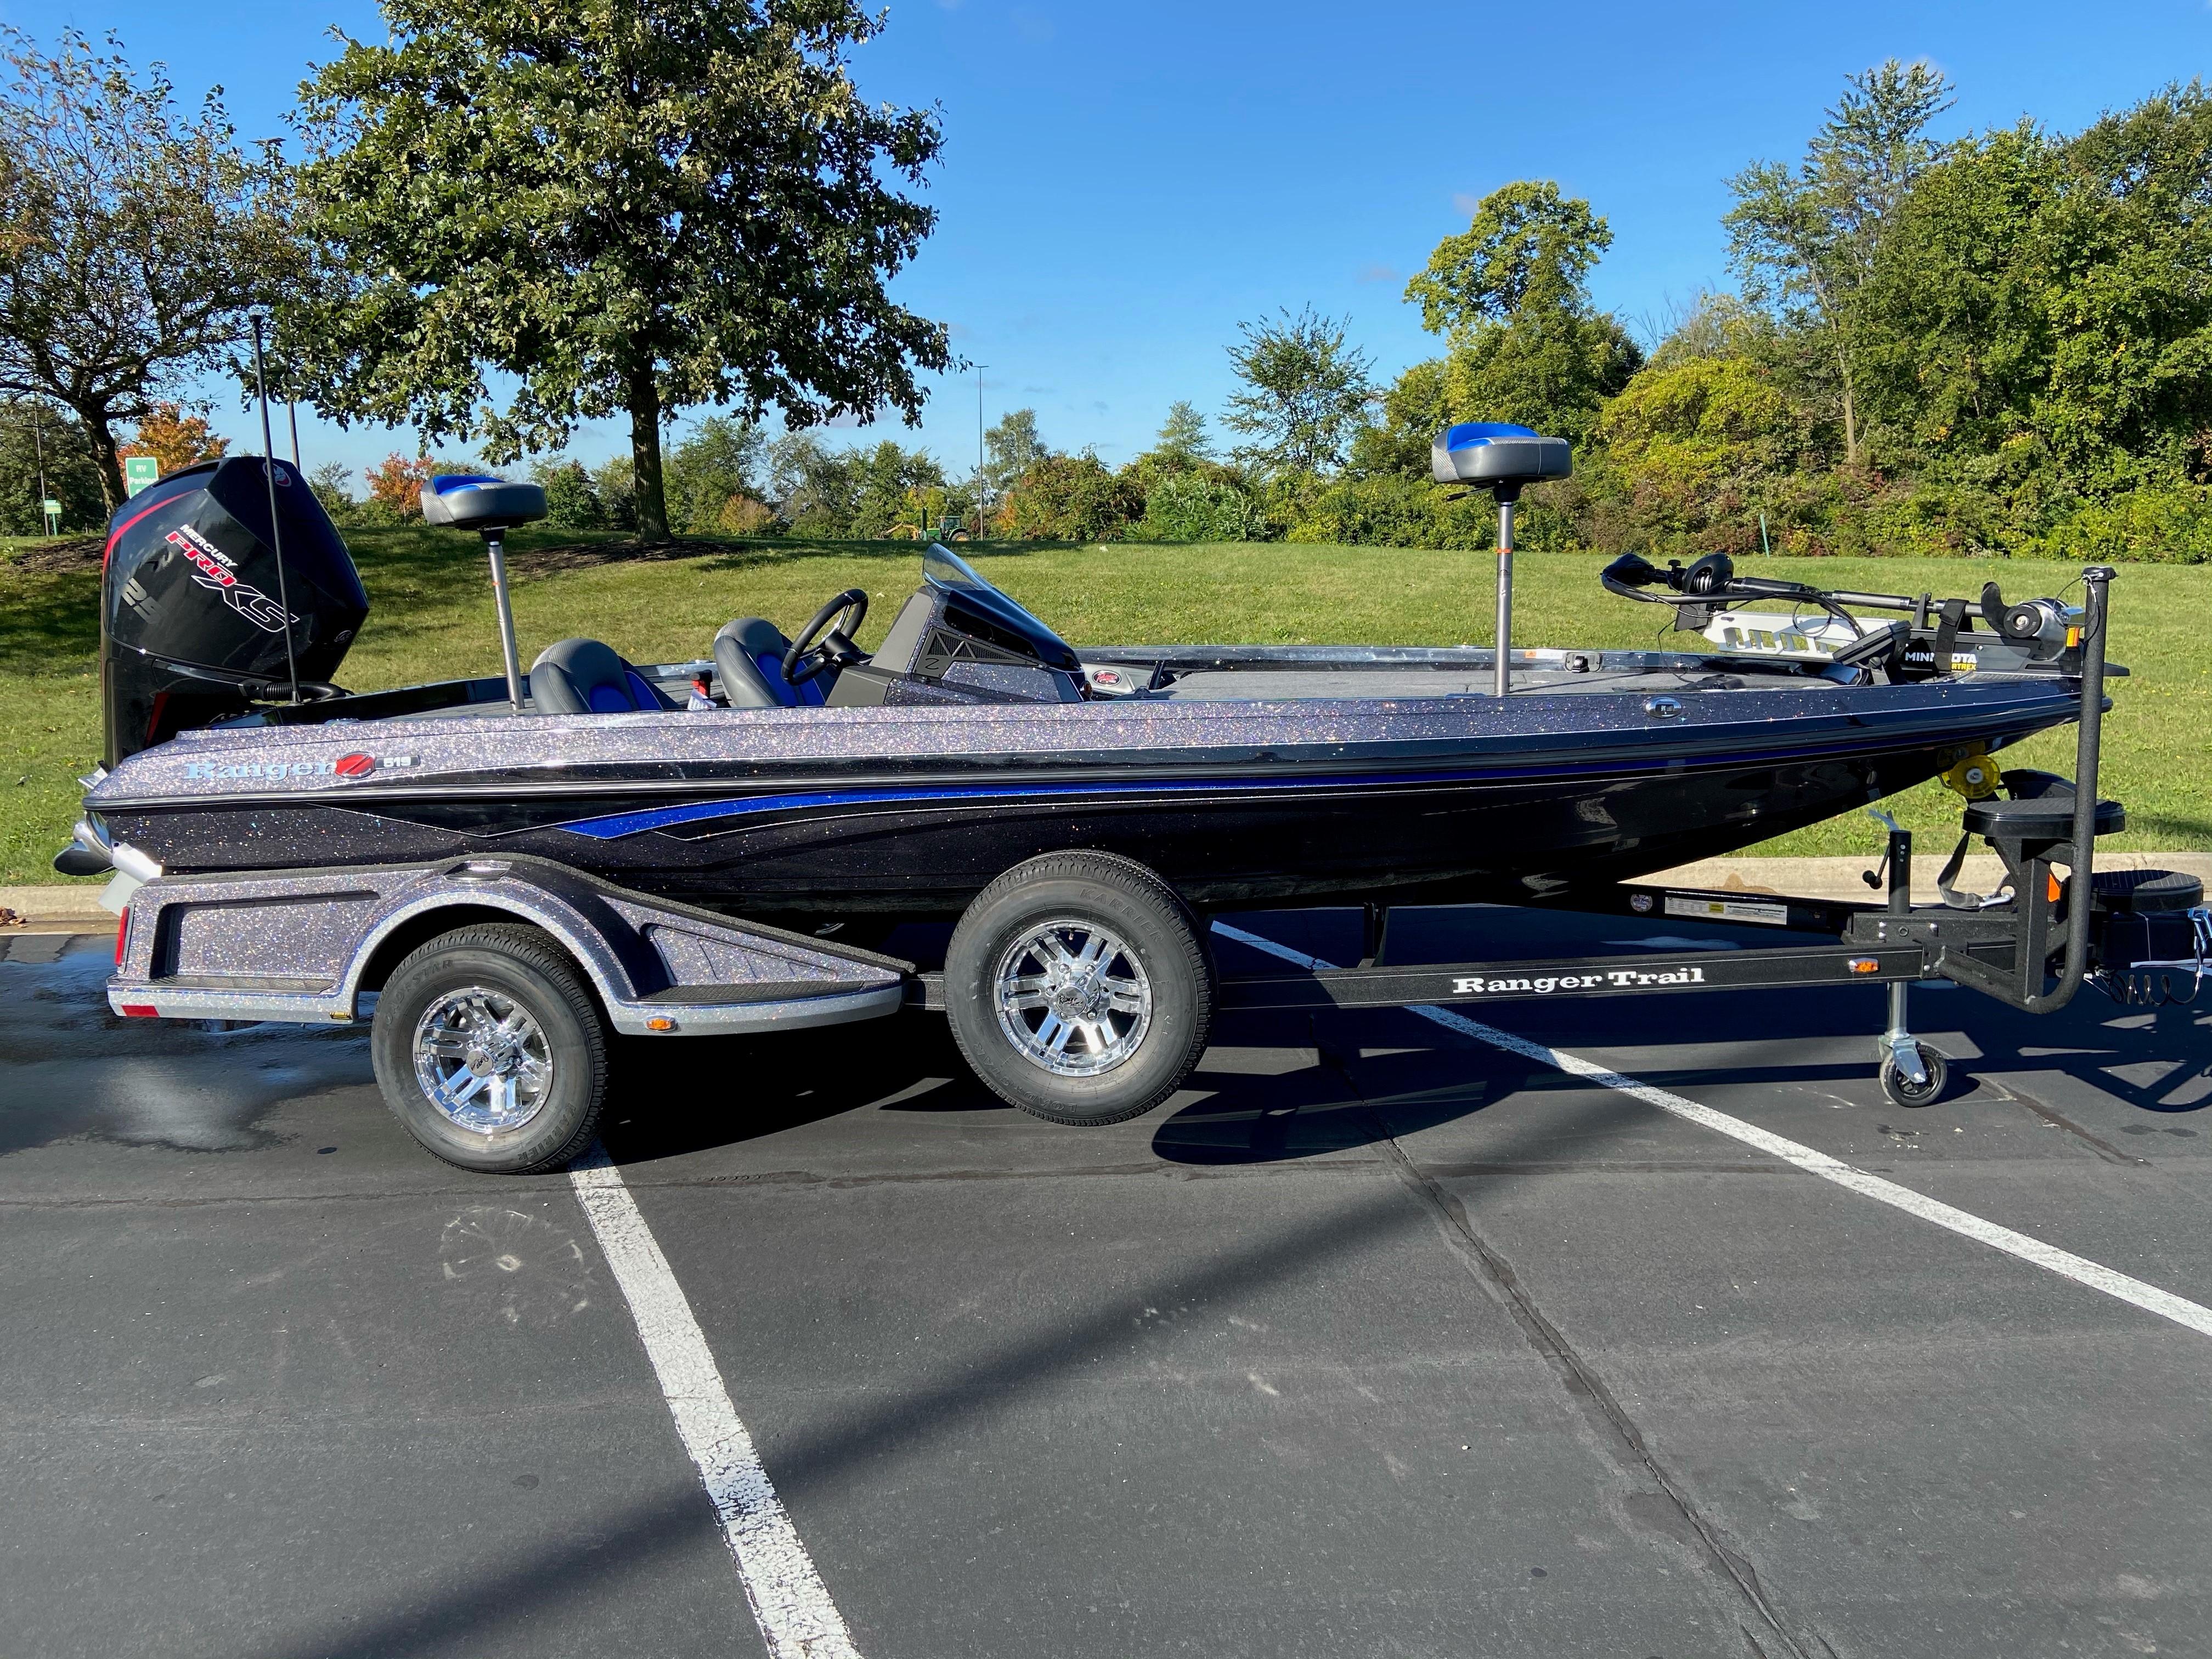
(1949, 874)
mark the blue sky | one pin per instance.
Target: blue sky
(1123, 184)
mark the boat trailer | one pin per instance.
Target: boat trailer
(331, 945)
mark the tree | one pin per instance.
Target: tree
(889, 488)
(1511, 294)
(2039, 320)
(571, 502)
(1415, 409)
(132, 240)
(1307, 391)
(1010, 448)
(1528, 250)
(715, 464)
(636, 208)
(332, 483)
(46, 458)
(174, 438)
(395, 483)
(1811, 237)
(1182, 435)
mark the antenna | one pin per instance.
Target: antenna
(276, 527)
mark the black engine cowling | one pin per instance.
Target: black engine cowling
(190, 628)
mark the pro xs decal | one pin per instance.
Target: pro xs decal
(212, 567)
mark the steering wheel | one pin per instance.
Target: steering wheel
(827, 641)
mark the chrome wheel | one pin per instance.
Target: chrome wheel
(1071, 998)
(481, 1059)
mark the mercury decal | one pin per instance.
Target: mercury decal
(213, 569)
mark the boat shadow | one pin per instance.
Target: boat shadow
(1287, 1087)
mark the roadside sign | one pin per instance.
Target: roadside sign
(139, 470)
(51, 508)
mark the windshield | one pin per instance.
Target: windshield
(945, 570)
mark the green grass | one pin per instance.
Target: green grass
(432, 618)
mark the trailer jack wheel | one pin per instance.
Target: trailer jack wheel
(1898, 1084)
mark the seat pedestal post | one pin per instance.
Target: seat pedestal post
(1502, 670)
(494, 545)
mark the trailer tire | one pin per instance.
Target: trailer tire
(491, 1052)
(1080, 988)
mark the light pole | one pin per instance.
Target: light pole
(39, 444)
(980, 368)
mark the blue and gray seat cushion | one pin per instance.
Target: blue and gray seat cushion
(584, 677)
(749, 663)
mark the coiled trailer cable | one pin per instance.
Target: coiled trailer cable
(2149, 983)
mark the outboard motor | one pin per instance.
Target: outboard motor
(192, 629)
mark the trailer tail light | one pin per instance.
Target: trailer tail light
(1863, 965)
(122, 935)
(141, 1011)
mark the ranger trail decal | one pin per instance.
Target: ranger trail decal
(1621, 979)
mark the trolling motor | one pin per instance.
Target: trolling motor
(2034, 635)
(490, 507)
(1504, 459)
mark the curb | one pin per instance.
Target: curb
(74, 909)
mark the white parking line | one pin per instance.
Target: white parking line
(2064, 1263)
(797, 1619)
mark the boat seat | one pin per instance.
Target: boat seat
(749, 661)
(584, 677)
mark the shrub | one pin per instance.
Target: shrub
(1394, 512)
(2170, 525)
(742, 515)
(1194, 507)
(1070, 498)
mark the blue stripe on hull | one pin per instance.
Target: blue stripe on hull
(614, 826)
(618, 824)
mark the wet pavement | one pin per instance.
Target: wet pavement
(1379, 1341)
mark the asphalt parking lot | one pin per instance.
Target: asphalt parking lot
(1383, 1339)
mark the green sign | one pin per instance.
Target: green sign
(52, 509)
(139, 470)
